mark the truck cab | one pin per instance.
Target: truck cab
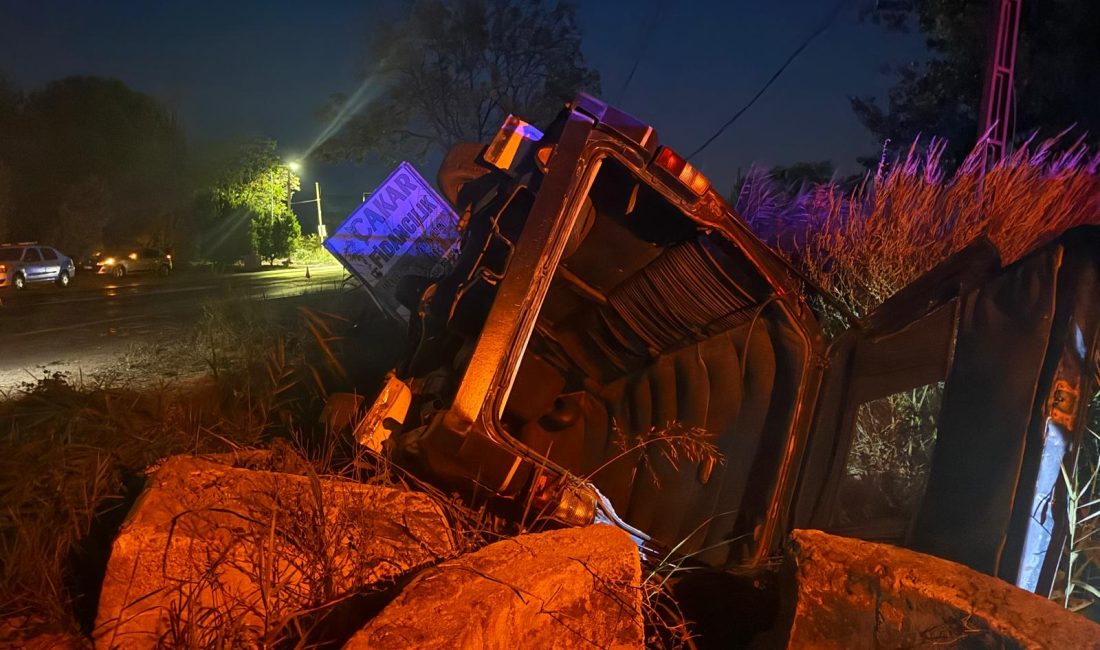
(614, 343)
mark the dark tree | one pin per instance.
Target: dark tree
(1057, 74)
(82, 127)
(10, 100)
(85, 209)
(7, 201)
(453, 70)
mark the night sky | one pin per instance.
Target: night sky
(264, 68)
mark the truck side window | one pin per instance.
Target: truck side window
(886, 469)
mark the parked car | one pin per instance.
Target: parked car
(120, 263)
(28, 263)
(605, 295)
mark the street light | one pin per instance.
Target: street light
(291, 166)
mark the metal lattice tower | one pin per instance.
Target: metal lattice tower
(997, 104)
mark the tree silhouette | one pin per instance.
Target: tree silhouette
(1056, 75)
(452, 71)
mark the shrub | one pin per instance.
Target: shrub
(308, 250)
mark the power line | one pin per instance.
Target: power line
(810, 39)
(647, 34)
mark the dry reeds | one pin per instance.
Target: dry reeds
(865, 243)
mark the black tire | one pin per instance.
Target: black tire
(119, 272)
(63, 279)
(163, 271)
(19, 282)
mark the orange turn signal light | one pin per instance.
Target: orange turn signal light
(675, 164)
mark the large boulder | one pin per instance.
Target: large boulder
(571, 588)
(213, 554)
(853, 594)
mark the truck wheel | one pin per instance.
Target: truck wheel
(63, 279)
(19, 282)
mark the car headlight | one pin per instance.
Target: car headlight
(109, 261)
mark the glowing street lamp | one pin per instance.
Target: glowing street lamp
(291, 166)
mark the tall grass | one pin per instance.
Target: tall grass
(73, 452)
(68, 452)
(1078, 581)
(863, 243)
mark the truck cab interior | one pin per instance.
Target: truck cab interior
(662, 369)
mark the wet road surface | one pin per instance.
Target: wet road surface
(97, 318)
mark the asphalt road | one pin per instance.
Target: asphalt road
(46, 328)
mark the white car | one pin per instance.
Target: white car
(29, 263)
(123, 262)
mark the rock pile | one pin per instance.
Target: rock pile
(213, 554)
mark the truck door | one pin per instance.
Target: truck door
(943, 425)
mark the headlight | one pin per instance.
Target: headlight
(109, 261)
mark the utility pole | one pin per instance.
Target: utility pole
(322, 232)
(997, 100)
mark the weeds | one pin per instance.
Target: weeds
(865, 243)
(891, 452)
(308, 250)
(1078, 583)
(72, 452)
(675, 442)
(275, 558)
(666, 627)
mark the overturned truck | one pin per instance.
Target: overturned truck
(613, 343)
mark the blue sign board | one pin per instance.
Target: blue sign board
(403, 228)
